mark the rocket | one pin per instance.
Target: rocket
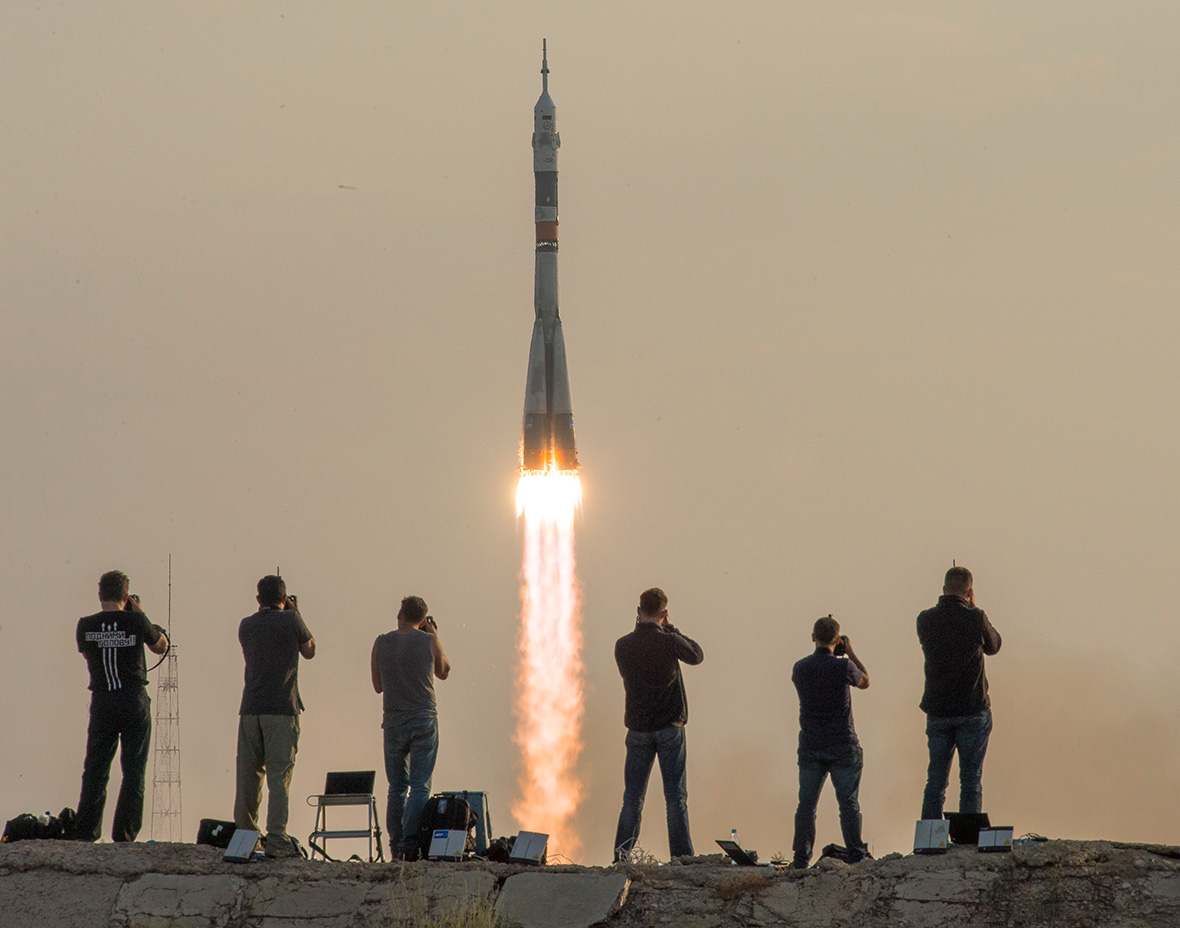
(547, 433)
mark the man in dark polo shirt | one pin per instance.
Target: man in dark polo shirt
(268, 722)
(827, 738)
(656, 711)
(955, 635)
(112, 642)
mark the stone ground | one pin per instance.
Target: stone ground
(1059, 884)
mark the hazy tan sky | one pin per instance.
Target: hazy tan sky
(848, 290)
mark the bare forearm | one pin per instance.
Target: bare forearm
(375, 669)
(442, 667)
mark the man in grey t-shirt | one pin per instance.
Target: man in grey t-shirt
(404, 663)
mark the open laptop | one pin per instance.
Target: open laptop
(964, 826)
(737, 853)
(349, 783)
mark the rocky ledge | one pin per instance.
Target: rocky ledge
(1060, 883)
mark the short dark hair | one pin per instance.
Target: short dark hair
(113, 586)
(272, 590)
(413, 609)
(652, 602)
(958, 580)
(826, 630)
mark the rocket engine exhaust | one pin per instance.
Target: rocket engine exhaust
(549, 707)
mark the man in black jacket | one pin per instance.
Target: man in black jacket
(656, 712)
(955, 635)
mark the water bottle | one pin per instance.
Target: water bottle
(733, 837)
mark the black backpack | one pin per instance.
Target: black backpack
(29, 827)
(450, 812)
(840, 852)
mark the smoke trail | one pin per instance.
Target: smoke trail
(549, 706)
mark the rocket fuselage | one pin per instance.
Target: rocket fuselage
(547, 435)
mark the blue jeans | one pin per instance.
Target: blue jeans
(411, 748)
(968, 735)
(845, 765)
(643, 747)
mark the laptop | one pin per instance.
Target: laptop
(738, 854)
(349, 783)
(964, 826)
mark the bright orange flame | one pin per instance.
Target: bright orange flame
(549, 707)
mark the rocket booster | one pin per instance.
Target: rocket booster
(547, 435)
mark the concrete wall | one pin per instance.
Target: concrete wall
(49, 884)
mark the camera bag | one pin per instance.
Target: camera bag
(450, 812)
(215, 832)
(29, 827)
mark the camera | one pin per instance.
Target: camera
(841, 646)
(430, 623)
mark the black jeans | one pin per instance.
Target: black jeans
(122, 718)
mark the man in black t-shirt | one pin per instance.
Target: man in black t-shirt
(268, 720)
(120, 709)
(827, 737)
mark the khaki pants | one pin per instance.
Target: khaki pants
(266, 744)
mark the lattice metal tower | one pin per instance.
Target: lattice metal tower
(166, 809)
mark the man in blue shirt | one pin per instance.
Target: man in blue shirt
(827, 737)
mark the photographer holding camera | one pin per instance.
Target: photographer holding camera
(268, 721)
(827, 738)
(656, 711)
(120, 708)
(403, 665)
(955, 635)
